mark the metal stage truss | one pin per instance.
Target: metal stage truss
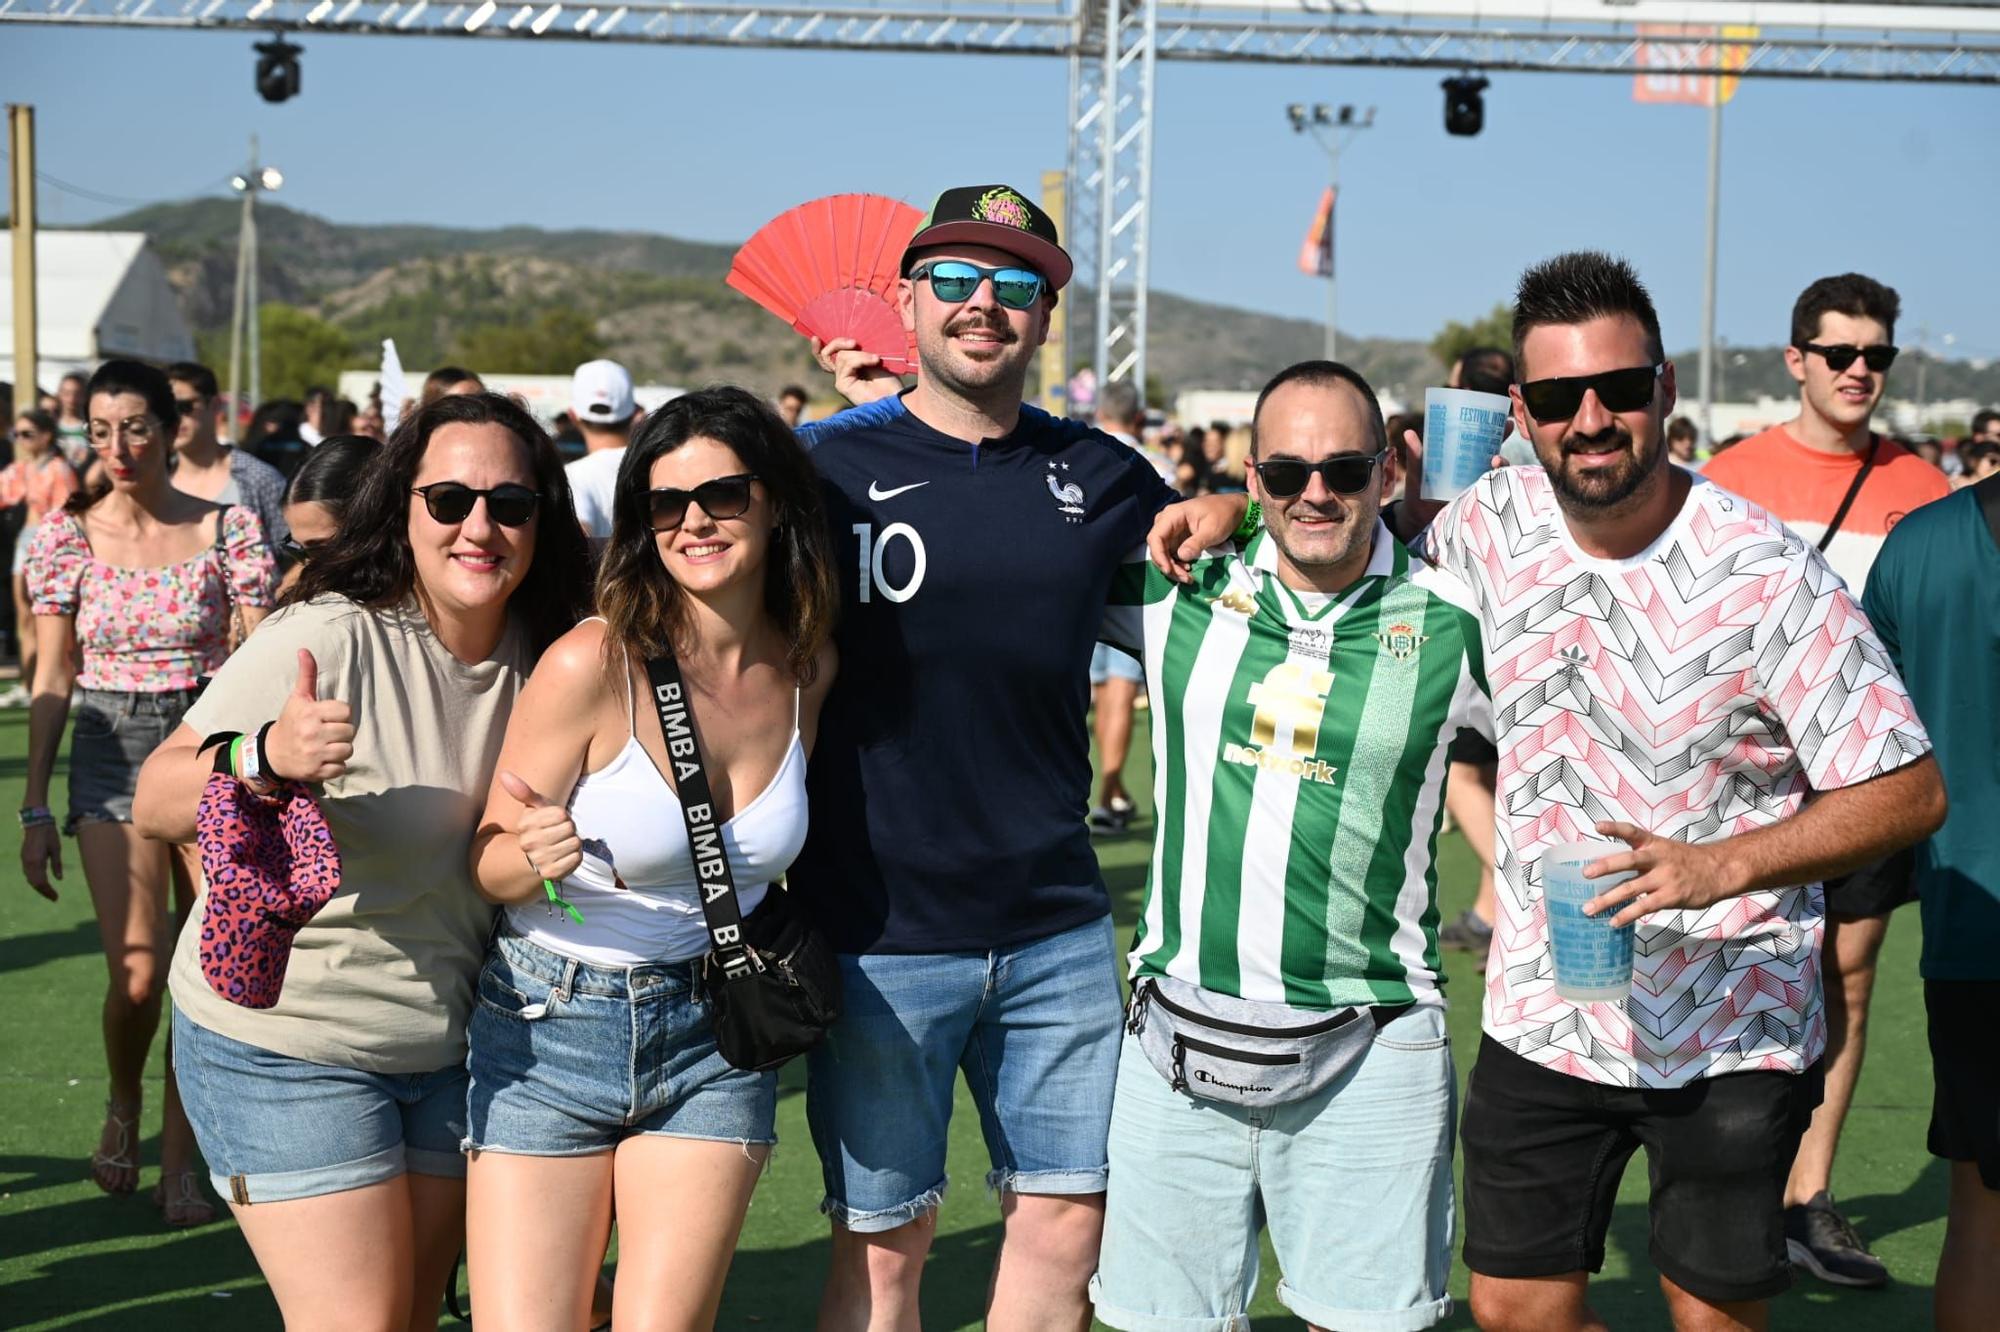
(1113, 46)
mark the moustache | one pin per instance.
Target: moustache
(1612, 434)
(1302, 508)
(999, 330)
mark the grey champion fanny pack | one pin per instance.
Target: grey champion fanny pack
(1242, 1051)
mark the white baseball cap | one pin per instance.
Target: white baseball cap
(600, 392)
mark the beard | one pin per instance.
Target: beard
(973, 373)
(1321, 548)
(1605, 486)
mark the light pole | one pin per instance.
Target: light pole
(1333, 131)
(1923, 364)
(1707, 363)
(253, 180)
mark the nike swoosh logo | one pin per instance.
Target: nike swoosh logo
(875, 491)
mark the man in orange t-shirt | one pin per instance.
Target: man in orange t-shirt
(1825, 472)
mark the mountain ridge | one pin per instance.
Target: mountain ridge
(659, 305)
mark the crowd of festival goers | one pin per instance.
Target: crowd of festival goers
(426, 662)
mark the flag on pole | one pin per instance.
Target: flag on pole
(1680, 71)
(395, 387)
(1316, 254)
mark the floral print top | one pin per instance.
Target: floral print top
(146, 631)
(45, 485)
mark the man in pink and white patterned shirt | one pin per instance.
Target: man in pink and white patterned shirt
(1673, 668)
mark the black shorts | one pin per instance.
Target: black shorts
(1965, 1073)
(1874, 890)
(1544, 1153)
(1469, 746)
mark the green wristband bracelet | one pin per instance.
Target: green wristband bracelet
(1253, 518)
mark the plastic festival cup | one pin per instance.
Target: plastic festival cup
(1462, 434)
(1593, 961)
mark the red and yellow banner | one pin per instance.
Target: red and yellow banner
(1316, 253)
(1682, 71)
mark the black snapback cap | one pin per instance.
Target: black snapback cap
(1000, 217)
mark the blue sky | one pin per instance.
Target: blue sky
(1896, 180)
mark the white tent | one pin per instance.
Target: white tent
(98, 294)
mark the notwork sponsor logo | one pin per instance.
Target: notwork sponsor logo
(1203, 1075)
(1308, 769)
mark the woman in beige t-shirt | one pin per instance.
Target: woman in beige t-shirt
(332, 1122)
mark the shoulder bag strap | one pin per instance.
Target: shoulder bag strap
(1988, 492)
(232, 629)
(1853, 489)
(720, 909)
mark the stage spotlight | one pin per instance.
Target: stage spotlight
(278, 69)
(1464, 107)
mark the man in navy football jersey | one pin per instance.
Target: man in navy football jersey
(948, 859)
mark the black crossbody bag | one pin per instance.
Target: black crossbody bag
(771, 979)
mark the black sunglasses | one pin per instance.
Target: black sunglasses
(954, 280)
(1625, 390)
(1344, 474)
(721, 497)
(298, 550)
(188, 406)
(1840, 355)
(451, 502)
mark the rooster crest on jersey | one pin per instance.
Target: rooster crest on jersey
(1069, 495)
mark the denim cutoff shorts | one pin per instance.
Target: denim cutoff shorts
(273, 1128)
(114, 732)
(1034, 1028)
(569, 1058)
(1110, 663)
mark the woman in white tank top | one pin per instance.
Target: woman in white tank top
(594, 1073)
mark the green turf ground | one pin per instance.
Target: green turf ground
(71, 1257)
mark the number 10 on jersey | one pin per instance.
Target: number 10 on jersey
(872, 578)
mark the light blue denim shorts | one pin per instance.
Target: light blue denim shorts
(1353, 1182)
(1035, 1029)
(273, 1128)
(569, 1058)
(1110, 663)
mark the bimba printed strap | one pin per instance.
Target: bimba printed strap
(720, 909)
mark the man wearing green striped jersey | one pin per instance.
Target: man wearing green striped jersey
(1285, 1061)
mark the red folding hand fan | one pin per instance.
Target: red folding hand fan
(829, 269)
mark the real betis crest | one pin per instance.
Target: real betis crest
(1401, 641)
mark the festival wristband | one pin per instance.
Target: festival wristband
(1253, 518)
(37, 816)
(258, 770)
(224, 744)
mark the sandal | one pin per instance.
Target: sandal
(117, 1171)
(178, 1195)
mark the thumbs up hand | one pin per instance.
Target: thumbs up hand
(313, 737)
(545, 831)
